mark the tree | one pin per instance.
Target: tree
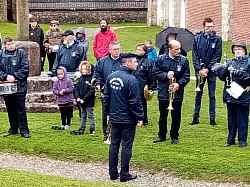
(22, 7)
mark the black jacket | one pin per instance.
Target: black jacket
(15, 63)
(104, 67)
(37, 35)
(144, 73)
(84, 91)
(180, 66)
(69, 57)
(208, 49)
(122, 99)
(241, 76)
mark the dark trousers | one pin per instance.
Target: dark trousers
(104, 119)
(125, 134)
(51, 58)
(42, 62)
(145, 110)
(15, 105)
(176, 119)
(66, 114)
(237, 120)
(211, 82)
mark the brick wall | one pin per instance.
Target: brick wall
(241, 21)
(197, 11)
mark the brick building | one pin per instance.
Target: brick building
(231, 17)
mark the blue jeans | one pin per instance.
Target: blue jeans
(211, 82)
(87, 112)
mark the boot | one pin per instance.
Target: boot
(195, 121)
(212, 122)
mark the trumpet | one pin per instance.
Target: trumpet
(229, 79)
(171, 94)
(200, 79)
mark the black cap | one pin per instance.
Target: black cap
(128, 55)
(240, 44)
(68, 32)
(33, 19)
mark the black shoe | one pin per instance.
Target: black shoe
(242, 145)
(77, 132)
(195, 121)
(9, 133)
(127, 178)
(25, 135)
(212, 122)
(175, 141)
(114, 177)
(159, 140)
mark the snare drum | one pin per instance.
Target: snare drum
(8, 88)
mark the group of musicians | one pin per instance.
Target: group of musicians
(172, 73)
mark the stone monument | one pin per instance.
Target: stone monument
(39, 97)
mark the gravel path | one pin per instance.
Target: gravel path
(95, 171)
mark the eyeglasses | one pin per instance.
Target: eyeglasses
(53, 25)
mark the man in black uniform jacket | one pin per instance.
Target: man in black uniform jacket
(14, 67)
(123, 107)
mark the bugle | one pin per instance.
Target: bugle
(171, 94)
(199, 82)
(200, 79)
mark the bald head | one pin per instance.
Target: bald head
(174, 48)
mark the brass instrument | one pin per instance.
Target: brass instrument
(229, 79)
(171, 94)
(199, 82)
(200, 79)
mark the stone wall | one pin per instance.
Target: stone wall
(3, 10)
(91, 16)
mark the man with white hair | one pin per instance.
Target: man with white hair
(173, 74)
(69, 54)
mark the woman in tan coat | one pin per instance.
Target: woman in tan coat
(52, 40)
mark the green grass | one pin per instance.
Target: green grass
(199, 155)
(23, 178)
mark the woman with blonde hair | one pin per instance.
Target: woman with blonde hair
(85, 96)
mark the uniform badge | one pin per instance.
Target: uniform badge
(178, 68)
(73, 54)
(213, 45)
(13, 62)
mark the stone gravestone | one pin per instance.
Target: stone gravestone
(33, 51)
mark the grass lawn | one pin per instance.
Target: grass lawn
(23, 178)
(199, 155)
